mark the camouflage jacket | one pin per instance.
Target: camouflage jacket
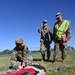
(20, 54)
(45, 33)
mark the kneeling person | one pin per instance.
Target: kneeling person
(19, 55)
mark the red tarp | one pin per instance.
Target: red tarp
(22, 71)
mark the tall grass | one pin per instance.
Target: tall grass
(52, 68)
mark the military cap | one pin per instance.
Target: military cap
(19, 41)
(23, 44)
(58, 14)
(44, 21)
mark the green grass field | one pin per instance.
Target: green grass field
(67, 67)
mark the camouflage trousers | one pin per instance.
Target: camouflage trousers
(45, 45)
(60, 46)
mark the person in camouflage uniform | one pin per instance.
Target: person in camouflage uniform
(19, 55)
(46, 39)
(61, 34)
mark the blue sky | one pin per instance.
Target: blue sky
(22, 18)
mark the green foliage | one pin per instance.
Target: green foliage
(6, 51)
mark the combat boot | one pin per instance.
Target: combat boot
(63, 58)
(55, 60)
(47, 58)
(43, 58)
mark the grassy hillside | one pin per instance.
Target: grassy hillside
(59, 68)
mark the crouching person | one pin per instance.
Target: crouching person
(19, 55)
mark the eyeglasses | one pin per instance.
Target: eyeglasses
(44, 22)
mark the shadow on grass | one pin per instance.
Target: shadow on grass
(36, 59)
(44, 60)
(52, 61)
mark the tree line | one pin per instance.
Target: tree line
(7, 51)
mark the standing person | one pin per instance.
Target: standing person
(61, 34)
(19, 55)
(46, 39)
